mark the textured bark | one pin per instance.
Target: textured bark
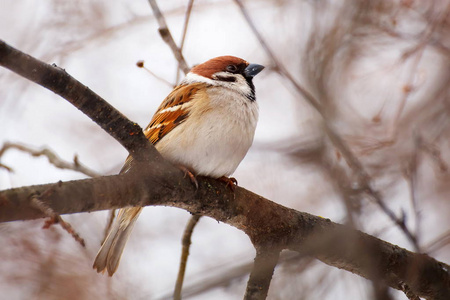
(128, 133)
(264, 221)
(153, 181)
(259, 281)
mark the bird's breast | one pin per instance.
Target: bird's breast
(215, 137)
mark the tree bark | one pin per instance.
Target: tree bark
(154, 181)
(265, 222)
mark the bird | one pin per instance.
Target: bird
(205, 126)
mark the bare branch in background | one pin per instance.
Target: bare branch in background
(265, 222)
(182, 65)
(434, 153)
(261, 275)
(277, 64)
(407, 90)
(9, 169)
(52, 157)
(347, 159)
(167, 36)
(364, 180)
(186, 243)
(183, 36)
(59, 81)
(186, 22)
(412, 180)
(439, 242)
(37, 201)
(262, 220)
(227, 274)
(141, 64)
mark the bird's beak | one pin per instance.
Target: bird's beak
(252, 70)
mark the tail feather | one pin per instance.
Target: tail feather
(108, 257)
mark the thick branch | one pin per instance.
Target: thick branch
(265, 222)
(101, 112)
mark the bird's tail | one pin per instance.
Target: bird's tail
(108, 256)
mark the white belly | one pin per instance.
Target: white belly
(216, 142)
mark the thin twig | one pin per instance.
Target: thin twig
(364, 183)
(182, 65)
(186, 23)
(167, 36)
(277, 64)
(186, 243)
(7, 168)
(52, 157)
(183, 36)
(412, 182)
(227, 273)
(54, 218)
(400, 222)
(131, 135)
(141, 64)
(438, 243)
(95, 190)
(434, 153)
(407, 90)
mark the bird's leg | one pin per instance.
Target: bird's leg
(191, 176)
(231, 182)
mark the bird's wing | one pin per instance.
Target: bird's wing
(171, 113)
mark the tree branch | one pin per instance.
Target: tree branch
(183, 36)
(101, 112)
(364, 180)
(265, 222)
(52, 157)
(186, 244)
(167, 36)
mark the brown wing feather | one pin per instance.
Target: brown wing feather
(169, 115)
(171, 112)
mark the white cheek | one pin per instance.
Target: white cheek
(240, 85)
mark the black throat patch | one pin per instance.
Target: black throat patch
(250, 96)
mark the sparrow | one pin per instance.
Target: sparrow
(205, 125)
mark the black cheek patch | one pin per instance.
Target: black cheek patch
(226, 78)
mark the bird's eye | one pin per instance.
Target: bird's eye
(231, 68)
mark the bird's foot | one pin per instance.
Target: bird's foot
(188, 173)
(231, 182)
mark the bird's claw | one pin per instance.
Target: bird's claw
(191, 176)
(231, 182)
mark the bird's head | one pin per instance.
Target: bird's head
(229, 72)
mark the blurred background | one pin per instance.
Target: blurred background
(378, 72)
